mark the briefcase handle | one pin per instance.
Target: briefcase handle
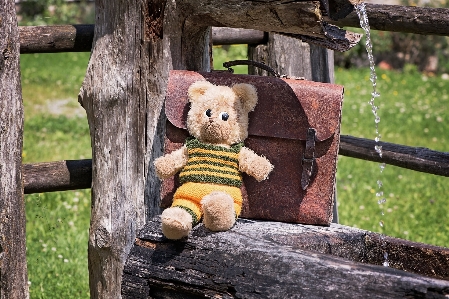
(261, 65)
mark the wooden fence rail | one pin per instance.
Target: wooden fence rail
(411, 19)
(78, 38)
(77, 174)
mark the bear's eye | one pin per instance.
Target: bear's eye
(208, 113)
(224, 116)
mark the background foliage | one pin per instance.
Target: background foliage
(396, 50)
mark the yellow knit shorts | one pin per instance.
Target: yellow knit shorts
(189, 195)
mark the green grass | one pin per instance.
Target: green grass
(56, 129)
(413, 111)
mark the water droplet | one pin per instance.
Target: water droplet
(381, 193)
(381, 201)
(382, 167)
(386, 264)
(379, 183)
(381, 223)
(377, 139)
(377, 119)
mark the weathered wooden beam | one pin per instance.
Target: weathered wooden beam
(56, 38)
(232, 36)
(414, 158)
(260, 259)
(57, 176)
(78, 38)
(135, 45)
(412, 19)
(13, 266)
(301, 19)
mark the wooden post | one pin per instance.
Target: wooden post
(135, 45)
(13, 269)
(294, 58)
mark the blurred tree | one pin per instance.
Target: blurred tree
(429, 53)
(50, 12)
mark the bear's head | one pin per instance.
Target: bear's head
(219, 114)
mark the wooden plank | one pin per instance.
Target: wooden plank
(56, 38)
(13, 267)
(303, 19)
(79, 38)
(269, 16)
(57, 176)
(258, 259)
(135, 44)
(415, 158)
(412, 19)
(232, 36)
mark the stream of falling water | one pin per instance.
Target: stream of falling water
(361, 12)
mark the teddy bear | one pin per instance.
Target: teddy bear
(212, 160)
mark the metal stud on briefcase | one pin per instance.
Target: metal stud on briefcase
(296, 125)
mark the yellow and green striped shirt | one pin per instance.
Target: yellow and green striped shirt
(209, 163)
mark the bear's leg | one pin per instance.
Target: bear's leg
(176, 223)
(218, 211)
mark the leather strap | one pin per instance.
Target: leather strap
(308, 159)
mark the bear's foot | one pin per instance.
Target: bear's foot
(176, 223)
(218, 211)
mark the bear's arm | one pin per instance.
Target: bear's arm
(169, 164)
(254, 165)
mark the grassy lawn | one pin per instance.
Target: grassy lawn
(413, 111)
(56, 129)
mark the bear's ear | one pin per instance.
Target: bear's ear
(198, 89)
(247, 94)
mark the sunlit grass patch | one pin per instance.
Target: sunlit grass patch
(413, 111)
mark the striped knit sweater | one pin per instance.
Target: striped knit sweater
(209, 163)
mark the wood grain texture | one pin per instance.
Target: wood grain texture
(56, 38)
(122, 93)
(258, 259)
(231, 36)
(415, 158)
(294, 58)
(57, 176)
(413, 19)
(301, 19)
(135, 44)
(79, 38)
(13, 268)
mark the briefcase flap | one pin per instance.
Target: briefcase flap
(286, 107)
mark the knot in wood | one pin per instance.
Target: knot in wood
(102, 237)
(6, 54)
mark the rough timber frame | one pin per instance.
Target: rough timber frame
(134, 46)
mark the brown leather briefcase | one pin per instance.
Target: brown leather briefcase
(296, 125)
